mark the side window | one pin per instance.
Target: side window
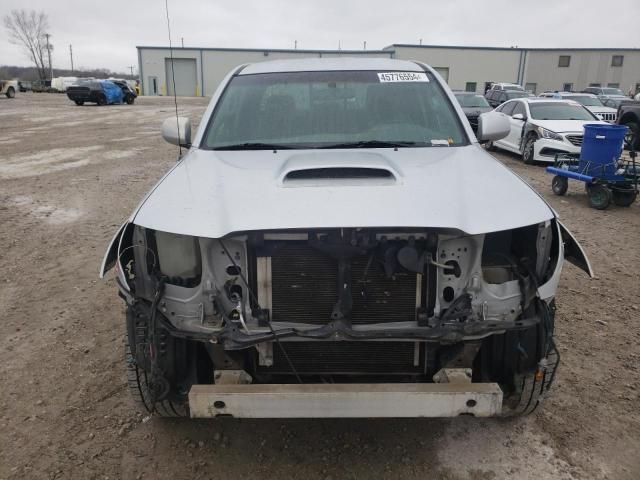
(564, 60)
(502, 97)
(508, 107)
(520, 108)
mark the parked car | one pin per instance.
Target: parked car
(605, 92)
(336, 243)
(102, 92)
(544, 127)
(129, 95)
(629, 116)
(506, 86)
(473, 104)
(8, 88)
(615, 102)
(589, 100)
(498, 97)
(24, 86)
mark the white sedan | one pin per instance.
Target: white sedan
(544, 127)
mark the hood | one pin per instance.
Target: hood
(215, 193)
(565, 126)
(603, 109)
(476, 110)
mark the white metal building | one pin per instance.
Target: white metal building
(198, 71)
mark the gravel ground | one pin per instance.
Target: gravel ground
(69, 176)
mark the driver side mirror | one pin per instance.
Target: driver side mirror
(177, 131)
(493, 126)
(517, 116)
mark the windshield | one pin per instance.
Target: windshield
(612, 91)
(587, 101)
(559, 111)
(472, 101)
(511, 95)
(336, 109)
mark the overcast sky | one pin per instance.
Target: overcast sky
(105, 34)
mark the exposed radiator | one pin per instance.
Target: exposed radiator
(303, 288)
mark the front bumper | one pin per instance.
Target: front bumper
(395, 400)
(545, 150)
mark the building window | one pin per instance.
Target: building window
(613, 85)
(617, 60)
(595, 85)
(567, 87)
(531, 87)
(564, 60)
(470, 87)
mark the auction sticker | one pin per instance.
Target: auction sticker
(390, 77)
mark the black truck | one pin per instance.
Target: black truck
(629, 116)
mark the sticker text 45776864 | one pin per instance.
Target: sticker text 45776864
(402, 77)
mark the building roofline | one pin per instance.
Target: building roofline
(260, 50)
(390, 48)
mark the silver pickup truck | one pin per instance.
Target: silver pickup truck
(336, 243)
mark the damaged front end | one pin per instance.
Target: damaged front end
(343, 306)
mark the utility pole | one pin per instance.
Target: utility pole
(130, 67)
(71, 55)
(181, 41)
(420, 41)
(365, 45)
(295, 44)
(49, 52)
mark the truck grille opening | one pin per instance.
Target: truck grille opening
(349, 358)
(304, 288)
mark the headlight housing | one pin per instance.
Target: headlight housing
(544, 133)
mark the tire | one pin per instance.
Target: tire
(623, 198)
(527, 151)
(173, 404)
(531, 389)
(11, 93)
(599, 197)
(130, 99)
(102, 101)
(632, 137)
(79, 102)
(559, 185)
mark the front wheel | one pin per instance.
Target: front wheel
(527, 152)
(130, 99)
(79, 102)
(102, 101)
(11, 93)
(599, 197)
(624, 198)
(559, 185)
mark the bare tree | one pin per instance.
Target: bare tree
(27, 29)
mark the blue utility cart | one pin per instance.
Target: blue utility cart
(599, 166)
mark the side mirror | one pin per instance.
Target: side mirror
(517, 116)
(493, 126)
(177, 131)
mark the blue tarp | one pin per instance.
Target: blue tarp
(112, 91)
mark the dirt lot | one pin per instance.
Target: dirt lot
(70, 175)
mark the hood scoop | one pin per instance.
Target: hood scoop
(329, 169)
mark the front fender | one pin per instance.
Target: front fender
(112, 255)
(573, 251)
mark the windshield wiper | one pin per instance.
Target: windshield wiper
(370, 144)
(254, 146)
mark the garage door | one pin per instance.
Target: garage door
(185, 74)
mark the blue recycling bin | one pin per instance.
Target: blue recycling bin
(601, 148)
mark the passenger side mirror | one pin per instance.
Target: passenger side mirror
(493, 126)
(177, 131)
(517, 116)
